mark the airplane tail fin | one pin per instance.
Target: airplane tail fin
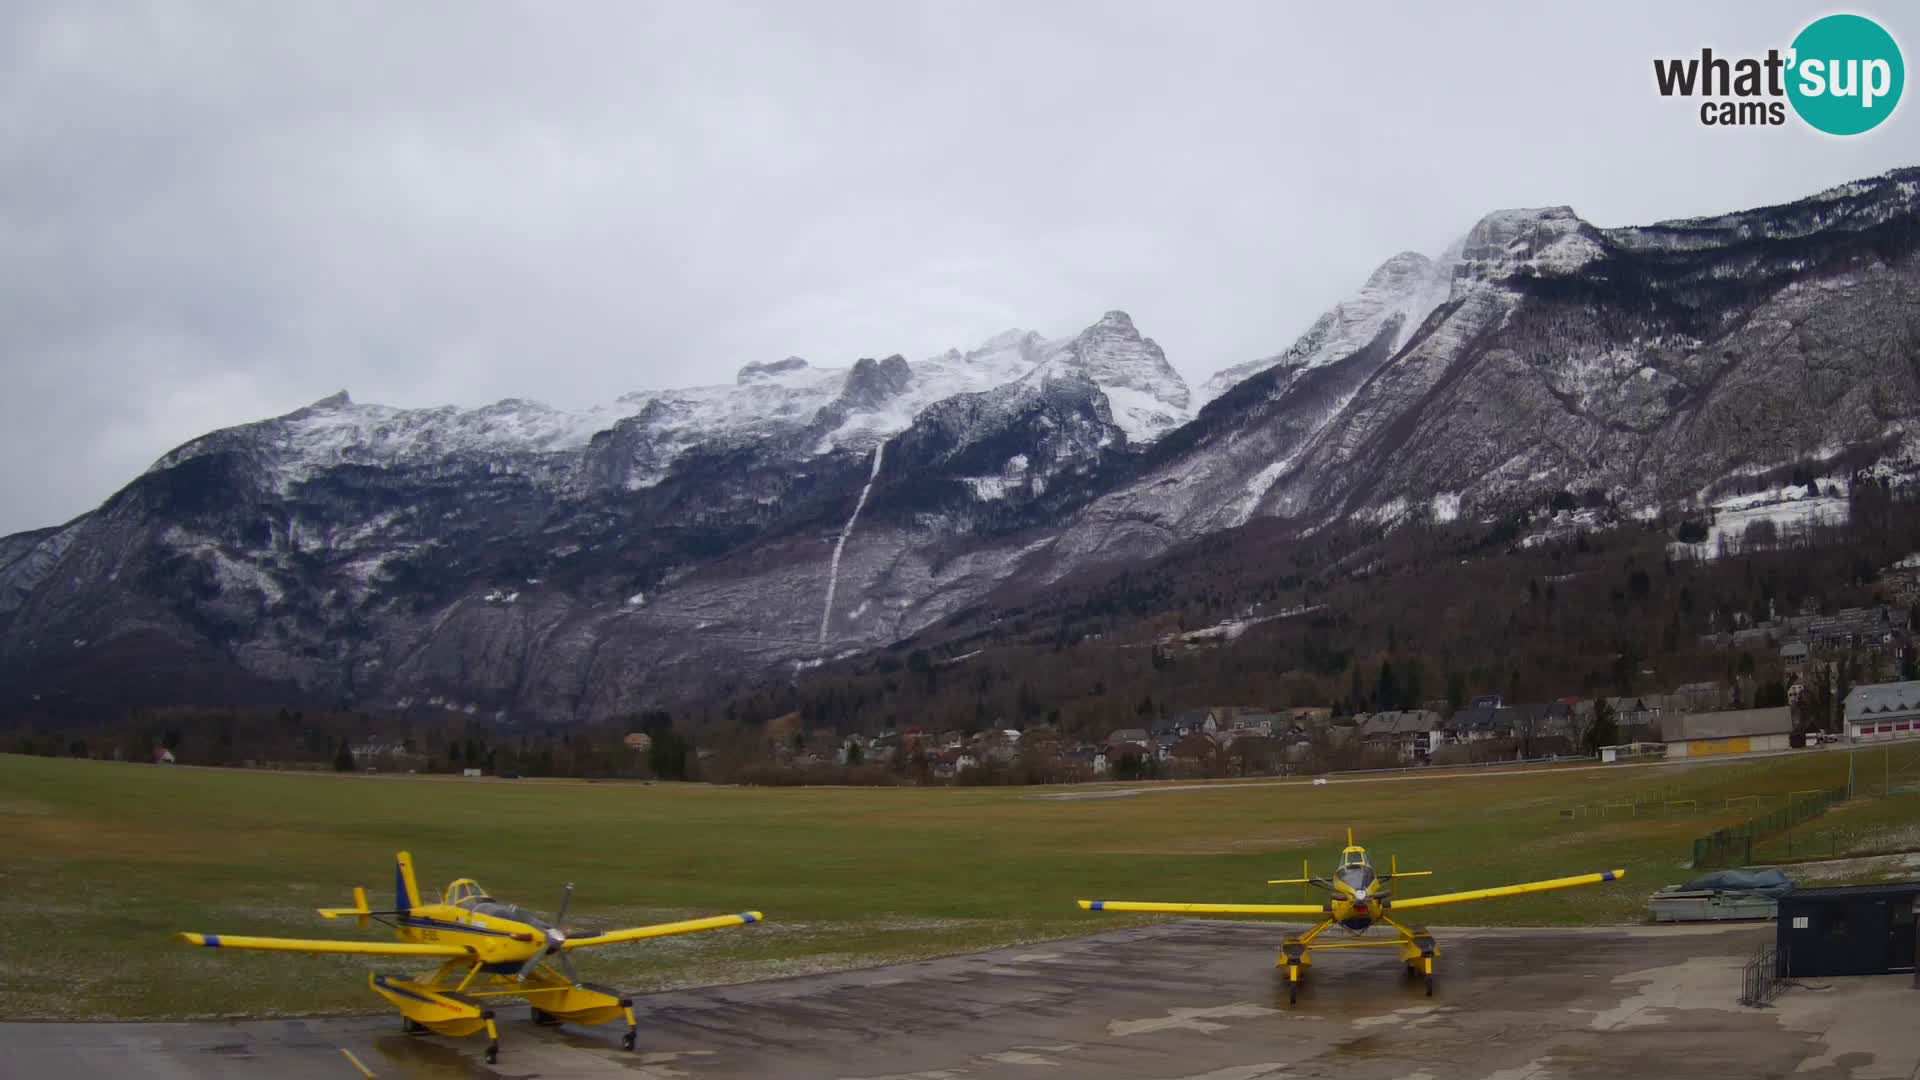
(359, 911)
(406, 891)
(1395, 873)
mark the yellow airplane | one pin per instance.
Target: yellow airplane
(487, 949)
(1360, 898)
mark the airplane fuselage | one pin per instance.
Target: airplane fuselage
(493, 939)
(1357, 901)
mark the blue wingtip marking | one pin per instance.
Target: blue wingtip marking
(1099, 905)
(748, 916)
(1606, 875)
(213, 941)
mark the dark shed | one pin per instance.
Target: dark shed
(1849, 930)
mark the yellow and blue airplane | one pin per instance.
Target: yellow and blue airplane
(487, 950)
(1359, 900)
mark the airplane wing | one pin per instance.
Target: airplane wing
(1204, 909)
(638, 933)
(312, 945)
(1470, 895)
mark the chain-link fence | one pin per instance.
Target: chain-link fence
(1733, 845)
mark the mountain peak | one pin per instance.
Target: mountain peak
(761, 369)
(336, 400)
(1402, 267)
(1549, 238)
(1147, 395)
(1397, 298)
(872, 382)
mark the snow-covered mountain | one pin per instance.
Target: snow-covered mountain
(809, 411)
(1397, 299)
(521, 562)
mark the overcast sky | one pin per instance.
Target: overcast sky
(216, 212)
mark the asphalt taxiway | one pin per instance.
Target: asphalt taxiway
(1185, 1000)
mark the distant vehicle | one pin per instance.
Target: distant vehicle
(1360, 899)
(487, 949)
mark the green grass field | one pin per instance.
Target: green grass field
(100, 863)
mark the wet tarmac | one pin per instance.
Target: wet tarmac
(1179, 1001)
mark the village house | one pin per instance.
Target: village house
(1255, 722)
(1794, 656)
(1872, 629)
(1479, 723)
(1413, 734)
(1883, 711)
(853, 748)
(1902, 581)
(1552, 728)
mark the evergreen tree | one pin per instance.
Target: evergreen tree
(343, 758)
(1605, 729)
(1386, 693)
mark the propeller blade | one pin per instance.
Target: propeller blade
(566, 965)
(533, 961)
(566, 897)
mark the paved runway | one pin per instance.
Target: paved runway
(1179, 1001)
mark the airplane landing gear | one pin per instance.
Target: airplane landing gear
(493, 1052)
(1429, 985)
(411, 1026)
(626, 1041)
(544, 1018)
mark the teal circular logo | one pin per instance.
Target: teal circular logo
(1846, 76)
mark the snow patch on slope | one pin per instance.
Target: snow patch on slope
(1788, 509)
(833, 567)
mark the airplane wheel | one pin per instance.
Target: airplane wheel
(1293, 993)
(1429, 986)
(408, 1025)
(626, 1041)
(544, 1018)
(493, 1053)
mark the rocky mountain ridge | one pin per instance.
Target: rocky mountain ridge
(521, 562)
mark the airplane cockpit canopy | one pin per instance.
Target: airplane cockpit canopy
(467, 893)
(1356, 871)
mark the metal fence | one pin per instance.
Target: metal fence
(1764, 977)
(1733, 845)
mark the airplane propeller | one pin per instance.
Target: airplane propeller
(556, 941)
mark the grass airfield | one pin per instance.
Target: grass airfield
(101, 863)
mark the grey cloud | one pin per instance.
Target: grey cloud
(218, 211)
